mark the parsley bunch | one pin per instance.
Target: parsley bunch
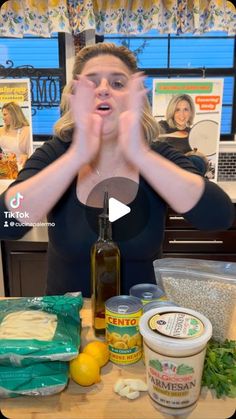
(219, 371)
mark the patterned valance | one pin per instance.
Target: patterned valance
(35, 17)
(43, 17)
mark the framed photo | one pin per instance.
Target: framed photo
(16, 140)
(188, 112)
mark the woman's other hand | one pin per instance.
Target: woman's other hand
(88, 125)
(131, 136)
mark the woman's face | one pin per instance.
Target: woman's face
(182, 114)
(6, 117)
(110, 77)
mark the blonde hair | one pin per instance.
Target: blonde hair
(171, 108)
(18, 119)
(63, 128)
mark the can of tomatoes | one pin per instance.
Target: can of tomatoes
(123, 313)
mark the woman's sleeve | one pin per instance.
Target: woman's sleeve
(214, 210)
(40, 159)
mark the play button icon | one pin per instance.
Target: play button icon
(128, 207)
(117, 209)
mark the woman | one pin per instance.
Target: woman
(106, 131)
(15, 134)
(175, 129)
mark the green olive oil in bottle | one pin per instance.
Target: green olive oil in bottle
(105, 270)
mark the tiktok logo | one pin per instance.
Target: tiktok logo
(15, 201)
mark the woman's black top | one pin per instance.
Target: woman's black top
(139, 234)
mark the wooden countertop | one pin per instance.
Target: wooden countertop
(100, 402)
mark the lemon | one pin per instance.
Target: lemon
(84, 370)
(99, 351)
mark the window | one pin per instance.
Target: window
(211, 54)
(43, 61)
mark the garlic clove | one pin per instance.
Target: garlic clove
(133, 395)
(124, 391)
(119, 384)
(136, 384)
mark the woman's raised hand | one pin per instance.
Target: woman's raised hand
(88, 125)
(131, 135)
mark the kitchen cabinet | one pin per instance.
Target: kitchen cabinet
(25, 268)
(182, 240)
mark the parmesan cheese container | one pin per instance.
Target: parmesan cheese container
(175, 341)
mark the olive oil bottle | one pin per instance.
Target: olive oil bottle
(105, 270)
